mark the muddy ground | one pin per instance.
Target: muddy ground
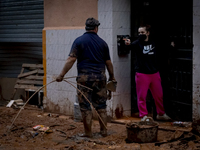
(65, 130)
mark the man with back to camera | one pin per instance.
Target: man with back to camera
(147, 75)
(92, 54)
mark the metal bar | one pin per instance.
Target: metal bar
(8, 3)
(181, 103)
(22, 26)
(21, 12)
(33, 40)
(26, 21)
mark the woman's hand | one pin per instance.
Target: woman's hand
(127, 41)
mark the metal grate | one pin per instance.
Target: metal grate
(21, 21)
(21, 25)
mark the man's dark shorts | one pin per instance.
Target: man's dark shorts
(97, 96)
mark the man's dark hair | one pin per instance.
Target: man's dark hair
(91, 23)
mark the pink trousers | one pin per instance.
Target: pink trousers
(152, 82)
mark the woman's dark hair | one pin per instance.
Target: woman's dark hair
(147, 27)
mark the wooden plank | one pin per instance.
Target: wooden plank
(10, 103)
(169, 127)
(17, 86)
(14, 92)
(27, 73)
(24, 81)
(41, 71)
(189, 129)
(32, 65)
(22, 71)
(32, 77)
(117, 122)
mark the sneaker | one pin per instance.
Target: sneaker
(164, 117)
(144, 118)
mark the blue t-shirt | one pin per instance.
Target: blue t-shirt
(91, 52)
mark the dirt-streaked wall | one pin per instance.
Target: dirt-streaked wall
(60, 13)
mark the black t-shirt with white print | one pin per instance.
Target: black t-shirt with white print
(146, 57)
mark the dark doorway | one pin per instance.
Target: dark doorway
(170, 21)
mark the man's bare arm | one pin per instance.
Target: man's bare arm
(109, 67)
(68, 65)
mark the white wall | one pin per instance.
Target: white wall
(114, 16)
(196, 58)
(60, 95)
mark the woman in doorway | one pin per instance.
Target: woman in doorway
(147, 75)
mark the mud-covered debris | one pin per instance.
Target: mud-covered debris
(98, 142)
(181, 124)
(21, 139)
(61, 131)
(142, 132)
(37, 127)
(29, 134)
(114, 147)
(53, 115)
(15, 103)
(45, 130)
